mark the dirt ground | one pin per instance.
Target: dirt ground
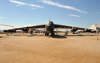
(41, 49)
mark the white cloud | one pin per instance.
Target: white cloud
(73, 15)
(18, 3)
(50, 2)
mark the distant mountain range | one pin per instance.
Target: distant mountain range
(4, 28)
(1, 30)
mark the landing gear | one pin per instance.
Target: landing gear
(46, 33)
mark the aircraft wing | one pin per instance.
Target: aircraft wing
(67, 27)
(44, 25)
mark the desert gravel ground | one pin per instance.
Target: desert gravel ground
(41, 49)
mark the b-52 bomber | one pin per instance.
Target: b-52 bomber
(49, 29)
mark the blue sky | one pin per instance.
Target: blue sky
(81, 13)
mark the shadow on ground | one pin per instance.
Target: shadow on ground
(59, 36)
